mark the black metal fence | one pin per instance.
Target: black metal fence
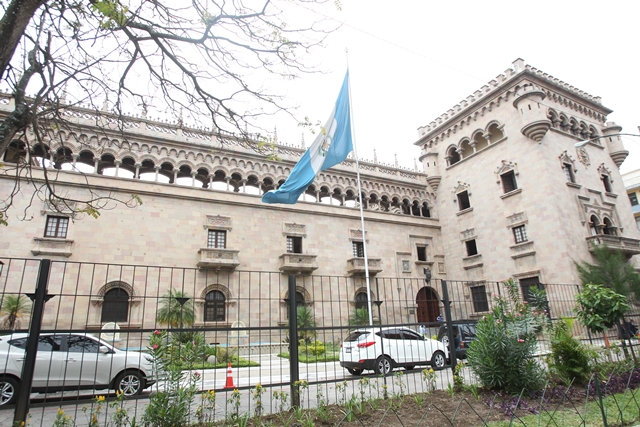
(234, 313)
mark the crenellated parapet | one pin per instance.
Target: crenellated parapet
(505, 88)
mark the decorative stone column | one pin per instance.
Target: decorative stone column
(137, 174)
(117, 163)
(157, 169)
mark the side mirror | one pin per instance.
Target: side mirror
(104, 349)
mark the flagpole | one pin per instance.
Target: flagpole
(364, 234)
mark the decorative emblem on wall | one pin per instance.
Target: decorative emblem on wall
(583, 156)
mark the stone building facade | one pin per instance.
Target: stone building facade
(504, 192)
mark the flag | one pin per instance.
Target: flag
(331, 147)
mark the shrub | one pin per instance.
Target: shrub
(569, 359)
(316, 348)
(502, 355)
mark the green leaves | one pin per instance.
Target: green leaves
(502, 355)
(599, 307)
(114, 14)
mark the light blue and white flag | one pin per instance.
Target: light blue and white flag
(331, 147)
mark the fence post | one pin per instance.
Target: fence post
(293, 343)
(447, 313)
(22, 407)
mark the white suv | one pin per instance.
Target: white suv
(382, 349)
(72, 362)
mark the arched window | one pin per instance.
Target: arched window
(214, 307)
(361, 300)
(608, 227)
(115, 306)
(594, 225)
(299, 302)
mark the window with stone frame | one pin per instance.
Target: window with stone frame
(463, 200)
(520, 233)
(472, 248)
(509, 182)
(361, 300)
(358, 249)
(527, 284)
(479, 298)
(217, 239)
(215, 306)
(633, 198)
(57, 226)
(567, 168)
(300, 302)
(115, 306)
(294, 244)
(421, 252)
(606, 182)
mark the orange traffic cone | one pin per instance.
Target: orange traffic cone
(229, 383)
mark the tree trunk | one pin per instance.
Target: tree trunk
(12, 26)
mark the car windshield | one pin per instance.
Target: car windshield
(356, 335)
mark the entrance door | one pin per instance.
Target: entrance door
(427, 302)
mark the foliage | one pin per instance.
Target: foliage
(360, 317)
(171, 406)
(14, 308)
(612, 270)
(306, 321)
(569, 359)
(316, 348)
(502, 355)
(172, 313)
(599, 308)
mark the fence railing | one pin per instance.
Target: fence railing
(217, 317)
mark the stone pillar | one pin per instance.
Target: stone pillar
(193, 178)
(75, 160)
(96, 161)
(117, 163)
(210, 182)
(137, 174)
(157, 169)
(175, 175)
(228, 179)
(244, 185)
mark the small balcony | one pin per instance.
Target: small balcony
(355, 266)
(51, 246)
(626, 245)
(298, 263)
(218, 259)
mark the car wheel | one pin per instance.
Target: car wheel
(383, 365)
(438, 361)
(354, 371)
(409, 367)
(130, 383)
(8, 391)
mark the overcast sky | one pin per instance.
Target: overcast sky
(411, 61)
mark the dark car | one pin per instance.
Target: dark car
(464, 332)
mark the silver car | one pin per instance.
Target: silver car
(72, 361)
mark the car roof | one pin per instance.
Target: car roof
(386, 328)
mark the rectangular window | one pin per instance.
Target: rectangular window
(633, 198)
(568, 172)
(509, 183)
(57, 227)
(479, 296)
(294, 244)
(472, 249)
(422, 253)
(217, 239)
(358, 249)
(463, 201)
(527, 284)
(520, 233)
(607, 183)
(638, 222)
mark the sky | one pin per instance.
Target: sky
(412, 60)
